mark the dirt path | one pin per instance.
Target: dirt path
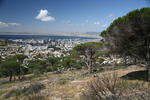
(119, 72)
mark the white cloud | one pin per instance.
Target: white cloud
(14, 24)
(3, 24)
(43, 16)
(97, 23)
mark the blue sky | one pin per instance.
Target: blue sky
(46, 16)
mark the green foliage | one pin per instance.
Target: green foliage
(88, 53)
(136, 16)
(53, 63)
(37, 66)
(40, 66)
(91, 46)
(70, 62)
(10, 67)
(20, 57)
(3, 42)
(130, 36)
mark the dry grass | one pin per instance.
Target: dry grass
(68, 85)
(111, 87)
(55, 86)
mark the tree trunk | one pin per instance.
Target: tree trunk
(10, 78)
(19, 73)
(135, 61)
(90, 66)
(19, 77)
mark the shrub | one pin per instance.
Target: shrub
(111, 87)
(102, 88)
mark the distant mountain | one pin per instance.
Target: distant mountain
(93, 33)
(15, 33)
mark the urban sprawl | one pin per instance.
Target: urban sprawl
(40, 47)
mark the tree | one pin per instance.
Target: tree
(89, 53)
(10, 67)
(3, 42)
(70, 62)
(130, 36)
(53, 63)
(37, 66)
(46, 65)
(20, 58)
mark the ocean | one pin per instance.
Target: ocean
(42, 37)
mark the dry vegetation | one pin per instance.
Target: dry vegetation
(45, 87)
(75, 85)
(110, 87)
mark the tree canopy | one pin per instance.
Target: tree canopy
(130, 35)
(88, 52)
(10, 67)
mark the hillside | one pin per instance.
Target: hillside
(68, 85)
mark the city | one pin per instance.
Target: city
(44, 47)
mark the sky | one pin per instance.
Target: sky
(51, 16)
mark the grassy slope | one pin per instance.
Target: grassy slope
(67, 86)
